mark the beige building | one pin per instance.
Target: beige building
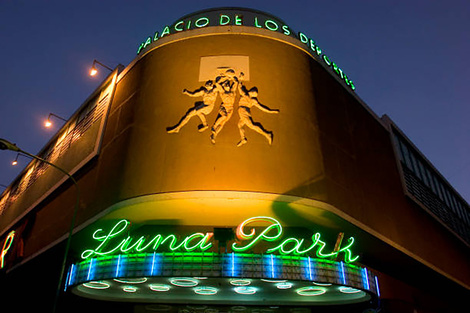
(231, 167)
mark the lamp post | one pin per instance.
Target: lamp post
(6, 145)
(94, 71)
(48, 122)
(15, 161)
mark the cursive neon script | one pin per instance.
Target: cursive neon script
(116, 241)
(108, 245)
(273, 232)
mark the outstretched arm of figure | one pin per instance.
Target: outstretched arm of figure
(196, 93)
(242, 89)
(218, 88)
(264, 108)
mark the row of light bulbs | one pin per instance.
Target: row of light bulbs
(48, 123)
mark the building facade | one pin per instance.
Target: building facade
(231, 167)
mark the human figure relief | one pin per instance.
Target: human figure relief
(248, 99)
(208, 92)
(226, 85)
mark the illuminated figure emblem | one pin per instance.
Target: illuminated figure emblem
(248, 99)
(226, 85)
(209, 96)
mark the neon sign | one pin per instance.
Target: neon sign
(249, 18)
(6, 247)
(117, 241)
(290, 245)
(196, 241)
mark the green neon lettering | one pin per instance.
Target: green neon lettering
(189, 25)
(140, 47)
(6, 247)
(173, 241)
(341, 73)
(271, 25)
(155, 241)
(144, 44)
(312, 45)
(166, 31)
(128, 244)
(327, 60)
(120, 227)
(125, 244)
(303, 38)
(282, 246)
(337, 70)
(335, 67)
(264, 235)
(318, 50)
(249, 234)
(286, 30)
(238, 20)
(205, 22)
(203, 240)
(155, 36)
(177, 28)
(224, 19)
(256, 22)
(149, 41)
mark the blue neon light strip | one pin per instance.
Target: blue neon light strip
(377, 285)
(118, 265)
(342, 274)
(272, 266)
(269, 266)
(90, 267)
(153, 264)
(231, 267)
(69, 277)
(365, 279)
(310, 269)
(233, 264)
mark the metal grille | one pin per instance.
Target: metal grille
(423, 194)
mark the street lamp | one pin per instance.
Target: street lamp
(6, 145)
(15, 161)
(48, 122)
(94, 71)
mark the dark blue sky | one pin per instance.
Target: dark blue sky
(408, 59)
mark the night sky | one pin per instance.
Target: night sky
(408, 59)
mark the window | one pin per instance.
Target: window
(429, 188)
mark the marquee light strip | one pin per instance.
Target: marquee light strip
(187, 269)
